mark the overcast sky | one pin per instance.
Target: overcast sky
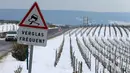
(84, 5)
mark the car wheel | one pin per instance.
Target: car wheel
(6, 40)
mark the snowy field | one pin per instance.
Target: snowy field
(8, 27)
(100, 49)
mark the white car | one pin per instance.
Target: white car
(11, 36)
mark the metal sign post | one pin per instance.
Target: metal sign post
(27, 58)
(30, 59)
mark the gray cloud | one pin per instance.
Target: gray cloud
(84, 5)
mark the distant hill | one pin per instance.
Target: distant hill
(67, 16)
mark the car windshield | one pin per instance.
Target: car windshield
(12, 32)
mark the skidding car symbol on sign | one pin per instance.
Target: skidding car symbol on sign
(33, 19)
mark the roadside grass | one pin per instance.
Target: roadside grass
(18, 70)
(4, 55)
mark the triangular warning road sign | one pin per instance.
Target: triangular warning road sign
(34, 18)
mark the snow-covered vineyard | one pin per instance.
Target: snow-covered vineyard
(5, 27)
(105, 49)
(100, 49)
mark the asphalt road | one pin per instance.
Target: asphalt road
(4, 45)
(7, 46)
(55, 32)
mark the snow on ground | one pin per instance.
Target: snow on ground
(107, 32)
(79, 57)
(9, 65)
(65, 62)
(44, 57)
(85, 67)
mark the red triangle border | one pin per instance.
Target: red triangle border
(24, 25)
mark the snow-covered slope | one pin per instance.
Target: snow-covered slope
(102, 47)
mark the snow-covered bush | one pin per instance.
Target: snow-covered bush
(19, 51)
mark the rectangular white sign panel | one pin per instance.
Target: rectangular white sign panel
(32, 36)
